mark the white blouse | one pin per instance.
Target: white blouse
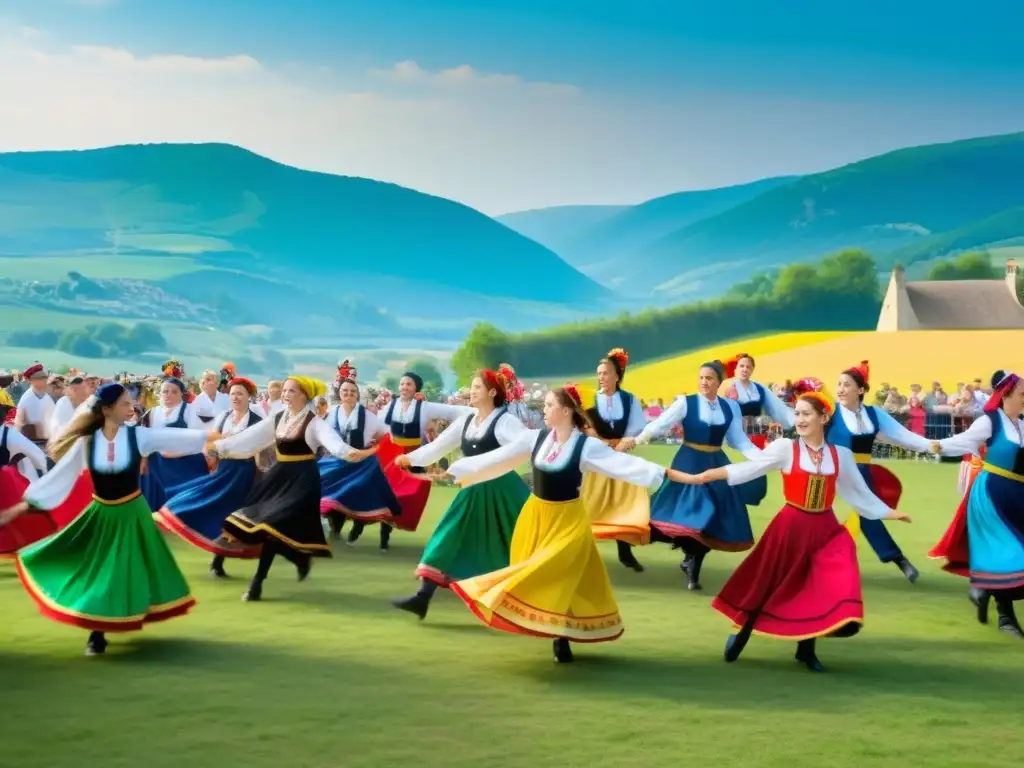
(850, 485)
(405, 409)
(225, 423)
(159, 416)
(507, 430)
(206, 406)
(63, 413)
(373, 426)
(889, 430)
(979, 433)
(18, 443)
(777, 410)
(55, 486)
(675, 413)
(610, 409)
(596, 457)
(259, 437)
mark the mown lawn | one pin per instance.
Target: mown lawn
(327, 673)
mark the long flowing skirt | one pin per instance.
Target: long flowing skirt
(556, 584)
(754, 491)
(358, 490)
(284, 506)
(164, 476)
(37, 524)
(474, 535)
(985, 541)
(411, 489)
(197, 510)
(617, 510)
(109, 571)
(713, 514)
(802, 579)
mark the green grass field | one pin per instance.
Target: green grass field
(327, 673)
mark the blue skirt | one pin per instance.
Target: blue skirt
(357, 489)
(164, 476)
(197, 509)
(713, 514)
(995, 529)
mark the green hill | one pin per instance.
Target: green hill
(1003, 226)
(557, 227)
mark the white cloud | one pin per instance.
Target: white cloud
(410, 73)
(119, 58)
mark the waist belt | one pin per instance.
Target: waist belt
(862, 458)
(992, 469)
(117, 502)
(703, 448)
(300, 457)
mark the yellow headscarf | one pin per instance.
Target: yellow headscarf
(311, 388)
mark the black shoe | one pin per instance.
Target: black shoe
(808, 658)
(908, 568)
(628, 559)
(96, 645)
(691, 567)
(254, 593)
(304, 567)
(981, 599)
(217, 568)
(733, 648)
(563, 652)
(1008, 620)
(418, 604)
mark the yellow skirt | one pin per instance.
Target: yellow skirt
(617, 510)
(556, 585)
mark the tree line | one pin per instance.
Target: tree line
(842, 292)
(95, 340)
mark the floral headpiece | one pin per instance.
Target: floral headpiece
(729, 365)
(346, 370)
(619, 358)
(572, 390)
(173, 369)
(825, 402)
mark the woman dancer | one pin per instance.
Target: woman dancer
(14, 447)
(475, 533)
(698, 519)
(357, 489)
(856, 427)
(618, 510)
(110, 570)
(801, 581)
(986, 539)
(556, 585)
(198, 508)
(755, 400)
(282, 512)
(163, 474)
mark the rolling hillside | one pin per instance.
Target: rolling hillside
(557, 227)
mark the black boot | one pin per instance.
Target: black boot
(908, 568)
(96, 645)
(304, 565)
(736, 643)
(419, 603)
(255, 591)
(385, 537)
(217, 567)
(563, 652)
(980, 598)
(1008, 619)
(806, 656)
(691, 567)
(355, 533)
(336, 521)
(627, 558)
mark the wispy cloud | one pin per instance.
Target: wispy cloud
(408, 72)
(120, 58)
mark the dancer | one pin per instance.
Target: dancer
(618, 510)
(474, 534)
(282, 512)
(358, 490)
(985, 542)
(556, 585)
(110, 570)
(163, 475)
(197, 509)
(698, 519)
(856, 426)
(801, 581)
(15, 447)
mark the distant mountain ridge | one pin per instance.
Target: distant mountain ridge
(559, 226)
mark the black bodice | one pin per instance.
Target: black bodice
(612, 430)
(486, 442)
(558, 484)
(353, 436)
(295, 447)
(113, 486)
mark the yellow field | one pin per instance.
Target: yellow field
(901, 359)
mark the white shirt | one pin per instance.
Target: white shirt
(17, 443)
(710, 413)
(508, 429)
(207, 407)
(609, 408)
(889, 430)
(225, 424)
(373, 426)
(405, 410)
(37, 410)
(159, 416)
(259, 437)
(63, 413)
(779, 412)
(979, 433)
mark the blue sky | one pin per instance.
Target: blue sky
(512, 105)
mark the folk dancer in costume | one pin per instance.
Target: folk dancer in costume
(700, 518)
(110, 570)
(75, 394)
(985, 542)
(359, 488)
(197, 509)
(801, 581)
(474, 535)
(556, 585)
(282, 512)
(407, 418)
(15, 448)
(210, 402)
(755, 400)
(163, 475)
(856, 427)
(273, 405)
(35, 407)
(618, 510)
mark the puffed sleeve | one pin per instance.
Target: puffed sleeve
(669, 418)
(248, 442)
(735, 436)
(970, 441)
(894, 432)
(374, 425)
(319, 433)
(445, 443)
(777, 455)
(509, 429)
(473, 470)
(636, 422)
(604, 460)
(53, 488)
(854, 491)
(168, 440)
(443, 411)
(779, 412)
(18, 443)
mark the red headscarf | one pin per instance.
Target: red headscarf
(241, 381)
(1002, 389)
(496, 380)
(864, 370)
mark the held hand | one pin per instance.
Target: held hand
(625, 445)
(402, 462)
(11, 513)
(682, 477)
(897, 515)
(356, 456)
(935, 447)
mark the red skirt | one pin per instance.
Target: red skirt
(802, 578)
(412, 490)
(954, 546)
(37, 524)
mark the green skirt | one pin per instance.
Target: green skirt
(109, 571)
(475, 532)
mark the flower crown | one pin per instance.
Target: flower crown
(620, 356)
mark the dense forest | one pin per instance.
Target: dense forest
(95, 340)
